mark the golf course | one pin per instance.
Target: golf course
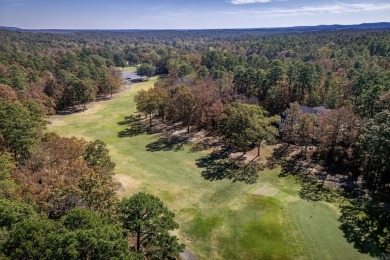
(219, 218)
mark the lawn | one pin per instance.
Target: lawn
(129, 69)
(218, 219)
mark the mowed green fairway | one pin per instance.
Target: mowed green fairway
(219, 219)
(130, 69)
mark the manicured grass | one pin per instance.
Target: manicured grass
(130, 69)
(313, 218)
(218, 219)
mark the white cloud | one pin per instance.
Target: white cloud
(312, 10)
(242, 2)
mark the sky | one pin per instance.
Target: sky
(188, 14)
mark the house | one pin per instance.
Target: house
(305, 110)
(314, 110)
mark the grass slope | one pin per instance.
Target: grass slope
(219, 219)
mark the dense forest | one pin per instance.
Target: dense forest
(61, 190)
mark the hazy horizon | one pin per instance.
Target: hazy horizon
(185, 14)
(183, 29)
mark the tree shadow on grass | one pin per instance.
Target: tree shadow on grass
(312, 182)
(168, 143)
(219, 166)
(135, 126)
(313, 191)
(367, 226)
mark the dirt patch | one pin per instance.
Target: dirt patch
(266, 191)
(251, 156)
(187, 255)
(126, 184)
(195, 136)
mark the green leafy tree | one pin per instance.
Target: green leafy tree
(183, 106)
(293, 116)
(374, 152)
(304, 132)
(203, 71)
(146, 70)
(336, 134)
(97, 156)
(96, 237)
(367, 88)
(102, 242)
(151, 101)
(19, 127)
(119, 60)
(82, 234)
(62, 245)
(68, 61)
(148, 221)
(213, 58)
(246, 80)
(184, 70)
(13, 212)
(79, 218)
(17, 79)
(245, 124)
(275, 73)
(28, 238)
(8, 186)
(83, 92)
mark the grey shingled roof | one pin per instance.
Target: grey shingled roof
(308, 110)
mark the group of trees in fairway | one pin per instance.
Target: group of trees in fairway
(199, 106)
(242, 125)
(246, 124)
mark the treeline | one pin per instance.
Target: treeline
(58, 197)
(334, 69)
(358, 147)
(331, 69)
(56, 76)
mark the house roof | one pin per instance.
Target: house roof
(314, 110)
(321, 109)
(308, 110)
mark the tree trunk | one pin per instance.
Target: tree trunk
(306, 144)
(188, 129)
(150, 120)
(138, 239)
(258, 149)
(323, 181)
